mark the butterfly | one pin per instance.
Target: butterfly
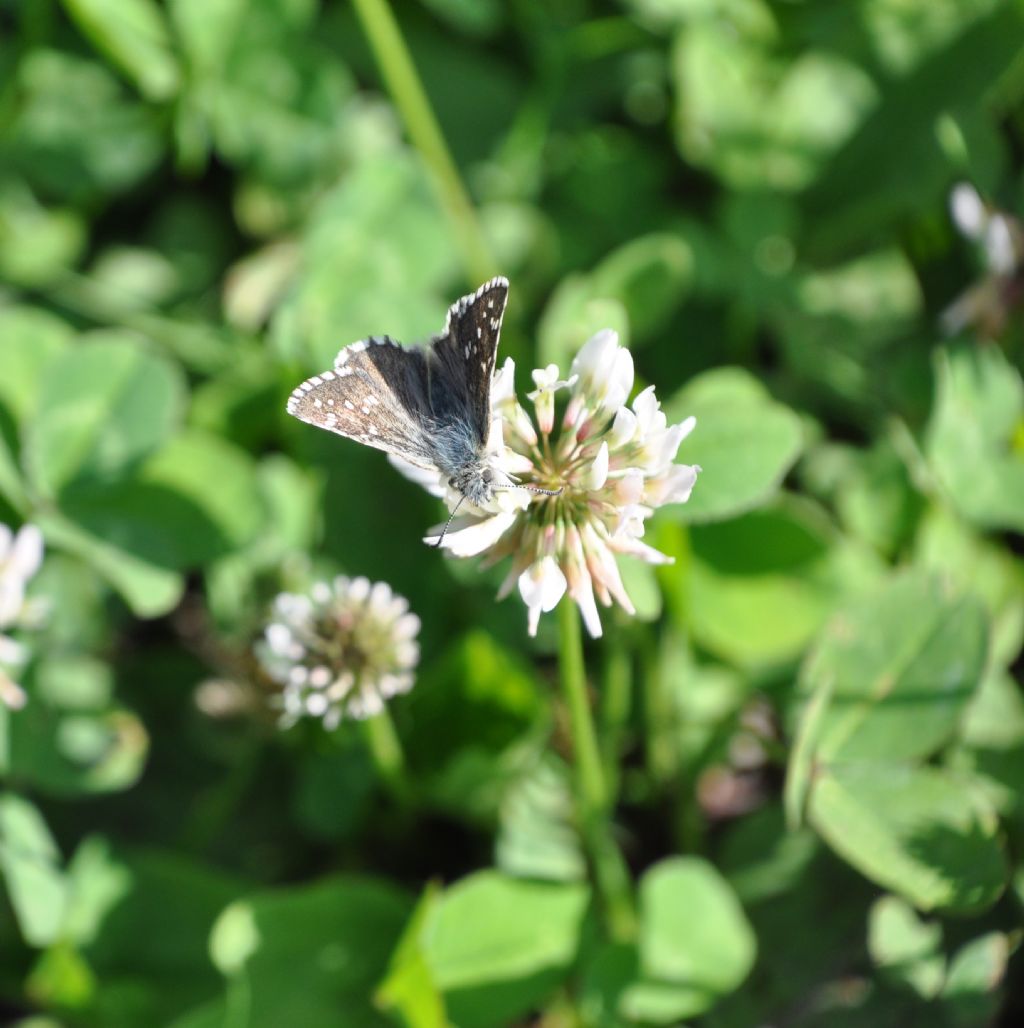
(430, 406)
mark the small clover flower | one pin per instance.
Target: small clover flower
(613, 464)
(999, 237)
(341, 650)
(20, 558)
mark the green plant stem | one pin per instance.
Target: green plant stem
(611, 876)
(386, 751)
(407, 92)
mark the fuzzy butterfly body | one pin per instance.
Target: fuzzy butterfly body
(430, 406)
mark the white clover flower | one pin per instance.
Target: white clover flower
(999, 237)
(340, 650)
(613, 463)
(20, 557)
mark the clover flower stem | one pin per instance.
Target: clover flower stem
(406, 89)
(611, 877)
(386, 752)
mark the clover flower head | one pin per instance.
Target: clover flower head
(999, 237)
(340, 650)
(20, 557)
(613, 464)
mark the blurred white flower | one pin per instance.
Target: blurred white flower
(20, 557)
(999, 237)
(341, 650)
(613, 463)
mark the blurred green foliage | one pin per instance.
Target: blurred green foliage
(816, 721)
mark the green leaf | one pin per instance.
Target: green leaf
(906, 948)
(409, 988)
(900, 665)
(744, 442)
(194, 500)
(497, 945)
(311, 951)
(756, 119)
(921, 832)
(754, 604)
(979, 405)
(30, 861)
(151, 977)
(693, 931)
(866, 187)
(634, 290)
(371, 265)
(111, 404)
(971, 994)
(33, 340)
(537, 836)
(148, 590)
(479, 715)
(133, 35)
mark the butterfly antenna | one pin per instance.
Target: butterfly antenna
(447, 524)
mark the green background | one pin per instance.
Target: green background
(814, 724)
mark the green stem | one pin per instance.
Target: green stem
(386, 751)
(406, 89)
(592, 797)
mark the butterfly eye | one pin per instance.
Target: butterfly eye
(487, 476)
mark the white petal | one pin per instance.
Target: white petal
(623, 428)
(11, 653)
(12, 599)
(6, 535)
(542, 584)
(645, 406)
(687, 425)
(596, 352)
(503, 385)
(477, 536)
(27, 552)
(597, 474)
(428, 479)
(619, 381)
(967, 209)
(999, 249)
(674, 486)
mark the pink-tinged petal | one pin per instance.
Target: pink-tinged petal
(628, 488)
(583, 596)
(12, 696)
(469, 536)
(429, 480)
(674, 486)
(27, 552)
(604, 570)
(633, 547)
(596, 475)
